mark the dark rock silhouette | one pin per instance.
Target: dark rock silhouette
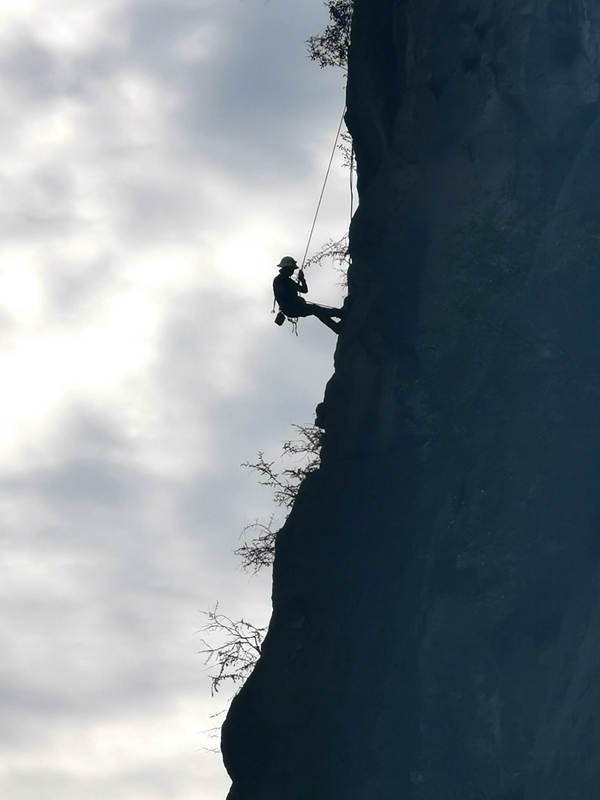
(436, 608)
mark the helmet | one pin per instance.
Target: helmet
(287, 261)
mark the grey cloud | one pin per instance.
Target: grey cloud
(169, 781)
(247, 108)
(150, 206)
(153, 29)
(89, 475)
(118, 641)
(85, 480)
(72, 292)
(31, 69)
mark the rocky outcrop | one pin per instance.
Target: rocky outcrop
(435, 629)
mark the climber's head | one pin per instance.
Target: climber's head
(287, 265)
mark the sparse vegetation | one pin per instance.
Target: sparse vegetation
(285, 484)
(330, 47)
(235, 645)
(339, 255)
(235, 657)
(259, 552)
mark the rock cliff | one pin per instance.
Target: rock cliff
(436, 603)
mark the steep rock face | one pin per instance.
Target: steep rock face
(436, 617)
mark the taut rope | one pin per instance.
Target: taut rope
(312, 230)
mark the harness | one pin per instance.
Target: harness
(281, 318)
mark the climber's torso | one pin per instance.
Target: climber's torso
(286, 292)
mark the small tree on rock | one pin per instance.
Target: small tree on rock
(330, 47)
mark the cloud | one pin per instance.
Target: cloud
(156, 161)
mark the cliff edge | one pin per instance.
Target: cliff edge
(436, 613)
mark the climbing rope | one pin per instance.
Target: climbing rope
(312, 230)
(351, 182)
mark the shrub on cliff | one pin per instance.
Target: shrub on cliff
(330, 47)
(235, 645)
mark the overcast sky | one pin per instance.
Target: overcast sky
(157, 160)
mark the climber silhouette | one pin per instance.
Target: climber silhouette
(291, 305)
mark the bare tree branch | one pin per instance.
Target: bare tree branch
(338, 253)
(240, 642)
(285, 484)
(234, 658)
(260, 551)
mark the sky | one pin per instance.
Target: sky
(157, 161)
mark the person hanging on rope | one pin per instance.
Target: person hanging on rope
(287, 295)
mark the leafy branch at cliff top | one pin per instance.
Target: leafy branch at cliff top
(330, 47)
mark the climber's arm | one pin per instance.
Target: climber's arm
(302, 285)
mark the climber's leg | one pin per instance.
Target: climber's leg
(325, 315)
(335, 326)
